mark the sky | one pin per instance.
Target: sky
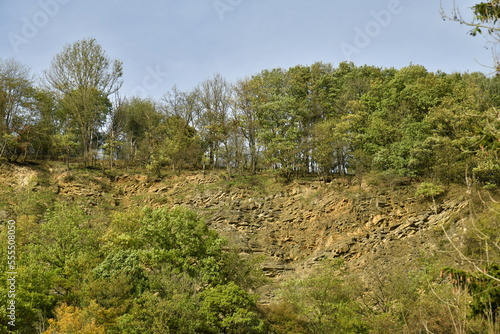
(163, 43)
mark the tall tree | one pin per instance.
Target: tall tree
(46, 124)
(246, 102)
(88, 109)
(179, 146)
(16, 107)
(84, 77)
(115, 130)
(215, 96)
(279, 123)
(182, 104)
(143, 128)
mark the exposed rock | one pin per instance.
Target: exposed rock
(294, 227)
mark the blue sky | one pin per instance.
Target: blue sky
(163, 43)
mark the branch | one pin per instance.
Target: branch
(468, 260)
(457, 17)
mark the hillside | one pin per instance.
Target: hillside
(375, 225)
(293, 224)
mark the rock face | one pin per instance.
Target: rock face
(292, 226)
(294, 231)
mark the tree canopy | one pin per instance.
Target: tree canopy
(305, 120)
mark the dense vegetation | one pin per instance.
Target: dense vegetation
(163, 271)
(316, 119)
(149, 271)
(86, 267)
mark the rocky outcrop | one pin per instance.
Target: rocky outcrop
(292, 226)
(299, 224)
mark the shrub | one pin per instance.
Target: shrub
(429, 190)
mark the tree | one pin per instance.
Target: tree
(479, 254)
(483, 287)
(143, 128)
(34, 298)
(89, 109)
(125, 263)
(65, 144)
(230, 309)
(115, 282)
(176, 274)
(16, 108)
(486, 15)
(246, 102)
(84, 77)
(67, 245)
(152, 313)
(279, 123)
(73, 320)
(215, 98)
(182, 104)
(178, 238)
(325, 303)
(331, 146)
(401, 109)
(180, 148)
(115, 140)
(45, 124)
(485, 18)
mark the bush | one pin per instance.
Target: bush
(487, 171)
(429, 190)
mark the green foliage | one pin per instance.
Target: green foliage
(33, 287)
(179, 238)
(486, 13)
(66, 245)
(83, 78)
(282, 318)
(484, 287)
(65, 145)
(164, 270)
(153, 314)
(438, 158)
(122, 263)
(487, 170)
(325, 303)
(150, 271)
(10, 147)
(306, 119)
(228, 309)
(429, 190)
(142, 129)
(480, 279)
(64, 235)
(183, 288)
(181, 148)
(279, 123)
(331, 145)
(17, 102)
